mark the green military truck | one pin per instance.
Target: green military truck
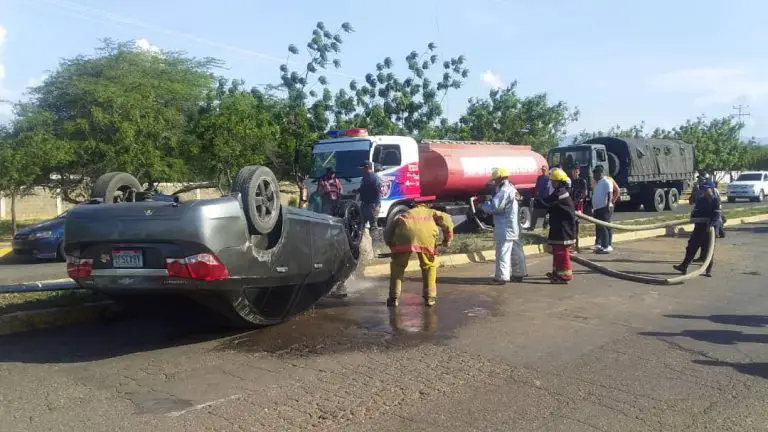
(651, 173)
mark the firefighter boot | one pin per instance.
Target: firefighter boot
(429, 281)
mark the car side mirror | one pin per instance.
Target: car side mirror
(377, 167)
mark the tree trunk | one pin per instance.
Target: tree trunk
(13, 212)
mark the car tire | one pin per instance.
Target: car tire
(673, 200)
(761, 196)
(350, 212)
(394, 212)
(260, 193)
(731, 200)
(60, 255)
(108, 185)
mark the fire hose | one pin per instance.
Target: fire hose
(647, 279)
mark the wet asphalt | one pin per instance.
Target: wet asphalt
(22, 269)
(599, 354)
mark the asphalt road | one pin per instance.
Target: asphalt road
(22, 269)
(597, 355)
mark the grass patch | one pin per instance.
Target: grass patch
(6, 228)
(10, 303)
(475, 242)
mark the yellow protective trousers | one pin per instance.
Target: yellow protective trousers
(428, 265)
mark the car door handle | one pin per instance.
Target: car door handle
(281, 269)
(317, 266)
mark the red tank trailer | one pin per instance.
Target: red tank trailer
(461, 169)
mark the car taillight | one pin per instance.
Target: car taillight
(204, 267)
(78, 268)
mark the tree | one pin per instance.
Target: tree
(388, 104)
(756, 156)
(635, 131)
(305, 115)
(718, 143)
(122, 109)
(25, 152)
(234, 128)
(505, 116)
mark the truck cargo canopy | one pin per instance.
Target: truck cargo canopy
(643, 159)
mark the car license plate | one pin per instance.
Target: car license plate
(127, 259)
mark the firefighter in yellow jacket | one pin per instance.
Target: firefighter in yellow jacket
(416, 231)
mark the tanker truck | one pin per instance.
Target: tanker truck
(650, 172)
(447, 175)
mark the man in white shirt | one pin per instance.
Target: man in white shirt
(602, 208)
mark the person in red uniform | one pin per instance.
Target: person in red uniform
(562, 227)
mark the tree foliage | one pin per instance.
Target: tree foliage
(387, 103)
(26, 152)
(122, 109)
(506, 116)
(165, 116)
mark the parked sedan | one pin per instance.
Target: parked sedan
(43, 241)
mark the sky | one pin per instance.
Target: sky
(620, 63)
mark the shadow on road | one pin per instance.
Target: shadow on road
(759, 370)
(720, 337)
(12, 259)
(736, 320)
(182, 323)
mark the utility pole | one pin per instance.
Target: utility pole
(740, 109)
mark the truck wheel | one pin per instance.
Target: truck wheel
(114, 187)
(656, 201)
(524, 217)
(352, 215)
(260, 193)
(731, 200)
(761, 196)
(394, 212)
(673, 199)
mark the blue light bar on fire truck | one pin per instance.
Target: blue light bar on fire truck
(354, 132)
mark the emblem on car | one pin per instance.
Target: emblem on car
(104, 258)
(148, 212)
(125, 281)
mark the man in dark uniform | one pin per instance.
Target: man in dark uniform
(705, 215)
(579, 191)
(370, 195)
(537, 206)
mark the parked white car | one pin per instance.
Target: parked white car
(750, 185)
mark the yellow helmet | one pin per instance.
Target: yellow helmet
(500, 173)
(558, 175)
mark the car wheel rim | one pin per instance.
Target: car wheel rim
(265, 199)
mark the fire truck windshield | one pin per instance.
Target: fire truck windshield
(345, 162)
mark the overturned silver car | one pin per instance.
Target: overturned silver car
(243, 254)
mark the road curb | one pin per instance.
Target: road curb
(455, 260)
(23, 321)
(5, 250)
